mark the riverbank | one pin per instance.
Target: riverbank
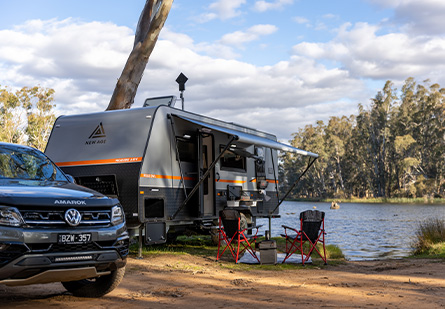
(376, 200)
(172, 280)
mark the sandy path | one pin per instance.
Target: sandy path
(185, 281)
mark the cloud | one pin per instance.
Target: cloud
(300, 20)
(224, 47)
(416, 17)
(34, 46)
(82, 62)
(223, 10)
(362, 52)
(288, 92)
(330, 16)
(206, 17)
(238, 38)
(263, 6)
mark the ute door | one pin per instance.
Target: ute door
(207, 188)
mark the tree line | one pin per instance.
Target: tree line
(27, 115)
(393, 148)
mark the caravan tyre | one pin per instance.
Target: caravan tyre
(95, 287)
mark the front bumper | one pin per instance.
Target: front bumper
(29, 256)
(57, 275)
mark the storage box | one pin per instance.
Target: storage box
(268, 251)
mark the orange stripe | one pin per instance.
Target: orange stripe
(153, 176)
(268, 180)
(232, 181)
(104, 161)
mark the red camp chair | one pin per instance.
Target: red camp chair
(234, 236)
(311, 231)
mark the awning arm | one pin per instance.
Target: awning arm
(206, 174)
(293, 186)
(274, 174)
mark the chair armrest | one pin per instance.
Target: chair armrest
(290, 228)
(252, 228)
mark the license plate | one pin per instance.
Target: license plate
(74, 238)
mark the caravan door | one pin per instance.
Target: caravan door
(207, 188)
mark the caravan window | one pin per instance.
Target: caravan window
(232, 162)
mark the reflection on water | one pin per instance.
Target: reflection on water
(363, 231)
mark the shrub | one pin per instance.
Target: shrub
(428, 234)
(334, 252)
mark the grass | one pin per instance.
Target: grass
(195, 245)
(436, 251)
(430, 239)
(202, 245)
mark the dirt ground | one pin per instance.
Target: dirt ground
(186, 281)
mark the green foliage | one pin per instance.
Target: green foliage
(26, 115)
(436, 251)
(195, 240)
(333, 252)
(430, 237)
(195, 245)
(394, 148)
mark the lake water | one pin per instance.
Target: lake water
(362, 231)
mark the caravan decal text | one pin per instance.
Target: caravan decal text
(153, 176)
(105, 161)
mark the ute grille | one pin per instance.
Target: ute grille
(45, 217)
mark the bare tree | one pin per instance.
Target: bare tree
(150, 23)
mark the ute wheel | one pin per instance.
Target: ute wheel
(95, 287)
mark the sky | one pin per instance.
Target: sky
(274, 65)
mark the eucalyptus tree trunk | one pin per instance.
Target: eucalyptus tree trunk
(339, 171)
(150, 23)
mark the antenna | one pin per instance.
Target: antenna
(181, 80)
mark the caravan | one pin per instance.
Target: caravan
(171, 169)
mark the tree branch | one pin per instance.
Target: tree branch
(147, 34)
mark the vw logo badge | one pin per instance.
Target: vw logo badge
(72, 217)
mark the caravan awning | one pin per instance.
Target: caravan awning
(251, 139)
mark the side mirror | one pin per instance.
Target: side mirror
(70, 178)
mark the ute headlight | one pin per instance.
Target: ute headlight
(117, 215)
(10, 216)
